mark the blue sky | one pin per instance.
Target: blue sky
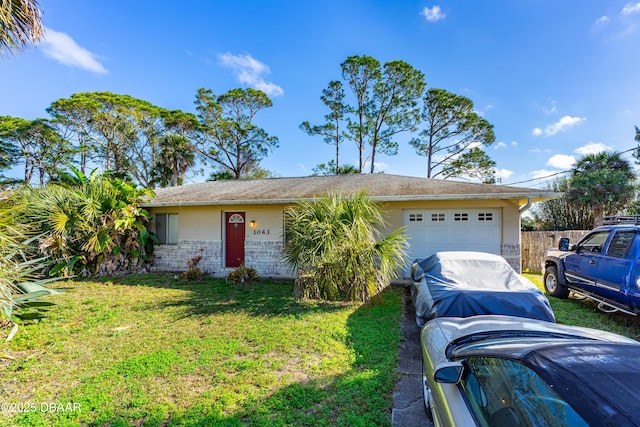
(557, 79)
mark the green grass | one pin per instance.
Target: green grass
(154, 351)
(585, 313)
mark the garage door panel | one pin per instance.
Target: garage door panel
(433, 230)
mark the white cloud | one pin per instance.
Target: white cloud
(630, 8)
(62, 48)
(565, 123)
(535, 150)
(561, 161)
(514, 143)
(602, 20)
(592, 148)
(503, 173)
(249, 70)
(500, 145)
(433, 14)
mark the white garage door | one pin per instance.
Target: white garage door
(433, 230)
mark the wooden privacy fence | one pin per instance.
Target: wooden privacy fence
(535, 243)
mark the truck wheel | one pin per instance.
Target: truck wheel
(552, 286)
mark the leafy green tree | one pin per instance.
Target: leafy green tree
(41, 147)
(386, 104)
(603, 182)
(561, 213)
(336, 246)
(474, 164)
(20, 25)
(9, 155)
(452, 127)
(119, 132)
(176, 157)
(330, 168)
(230, 139)
(333, 98)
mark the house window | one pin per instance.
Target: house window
(415, 217)
(437, 217)
(167, 228)
(461, 217)
(236, 219)
(485, 216)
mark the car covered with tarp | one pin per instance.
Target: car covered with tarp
(464, 284)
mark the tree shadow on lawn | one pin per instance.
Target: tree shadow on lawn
(360, 396)
(216, 296)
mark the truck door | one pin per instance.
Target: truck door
(615, 265)
(581, 267)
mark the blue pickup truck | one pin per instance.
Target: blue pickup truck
(603, 266)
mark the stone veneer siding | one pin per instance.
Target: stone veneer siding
(264, 256)
(511, 252)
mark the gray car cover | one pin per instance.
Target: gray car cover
(463, 284)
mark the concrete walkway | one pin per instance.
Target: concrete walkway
(408, 407)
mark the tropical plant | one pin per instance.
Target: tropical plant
(336, 247)
(90, 225)
(177, 155)
(20, 25)
(243, 275)
(21, 279)
(603, 182)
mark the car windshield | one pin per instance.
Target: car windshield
(505, 392)
(507, 343)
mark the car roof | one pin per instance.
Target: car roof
(617, 227)
(476, 328)
(599, 380)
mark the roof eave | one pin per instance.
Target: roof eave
(524, 196)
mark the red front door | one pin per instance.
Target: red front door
(234, 247)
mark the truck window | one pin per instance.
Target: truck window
(594, 242)
(621, 244)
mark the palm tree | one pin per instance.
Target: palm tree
(89, 225)
(334, 245)
(20, 25)
(177, 155)
(602, 182)
(21, 280)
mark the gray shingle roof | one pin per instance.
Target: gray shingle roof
(382, 187)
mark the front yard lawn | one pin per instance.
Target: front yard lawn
(154, 350)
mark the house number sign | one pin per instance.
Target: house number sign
(263, 231)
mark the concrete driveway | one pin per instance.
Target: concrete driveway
(408, 407)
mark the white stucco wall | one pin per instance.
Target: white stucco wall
(201, 232)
